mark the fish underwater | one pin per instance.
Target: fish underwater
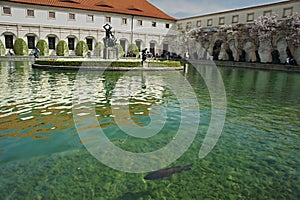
(166, 173)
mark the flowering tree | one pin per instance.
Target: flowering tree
(291, 29)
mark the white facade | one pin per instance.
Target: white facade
(81, 25)
(240, 16)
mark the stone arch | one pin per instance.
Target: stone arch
(153, 46)
(140, 44)
(52, 41)
(217, 46)
(247, 50)
(281, 47)
(124, 42)
(31, 39)
(7, 35)
(91, 41)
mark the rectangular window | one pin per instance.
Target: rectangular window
(140, 23)
(90, 18)
(188, 26)
(30, 13)
(221, 20)
(9, 42)
(108, 19)
(167, 25)
(268, 13)
(6, 10)
(51, 42)
(287, 12)
(89, 42)
(71, 43)
(250, 17)
(31, 42)
(153, 24)
(179, 26)
(71, 16)
(51, 15)
(235, 19)
(124, 20)
(209, 22)
(199, 23)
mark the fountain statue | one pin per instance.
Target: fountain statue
(110, 49)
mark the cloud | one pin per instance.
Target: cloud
(187, 8)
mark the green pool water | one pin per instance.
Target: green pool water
(42, 155)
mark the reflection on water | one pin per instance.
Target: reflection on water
(42, 157)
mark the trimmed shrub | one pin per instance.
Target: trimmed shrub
(98, 51)
(2, 49)
(133, 50)
(82, 49)
(20, 47)
(62, 48)
(120, 50)
(43, 47)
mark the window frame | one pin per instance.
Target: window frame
(5, 9)
(71, 16)
(90, 18)
(50, 13)
(209, 22)
(235, 19)
(28, 11)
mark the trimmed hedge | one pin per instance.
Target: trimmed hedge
(62, 48)
(133, 48)
(98, 51)
(89, 63)
(43, 47)
(166, 63)
(20, 47)
(82, 49)
(2, 49)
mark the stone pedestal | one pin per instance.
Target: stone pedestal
(110, 53)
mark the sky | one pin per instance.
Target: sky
(188, 8)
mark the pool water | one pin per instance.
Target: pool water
(42, 156)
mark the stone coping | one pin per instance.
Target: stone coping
(98, 68)
(260, 66)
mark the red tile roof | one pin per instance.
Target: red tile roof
(131, 7)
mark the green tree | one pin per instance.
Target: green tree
(98, 51)
(43, 47)
(62, 48)
(20, 47)
(2, 49)
(133, 49)
(82, 49)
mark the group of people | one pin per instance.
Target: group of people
(35, 52)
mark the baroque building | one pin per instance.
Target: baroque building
(133, 21)
(141, 23)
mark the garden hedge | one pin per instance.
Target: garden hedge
(62, 48)
(43, 47)
(20, 47)
(2, 49)
(82, 49)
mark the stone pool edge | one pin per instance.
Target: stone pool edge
(97, 68)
